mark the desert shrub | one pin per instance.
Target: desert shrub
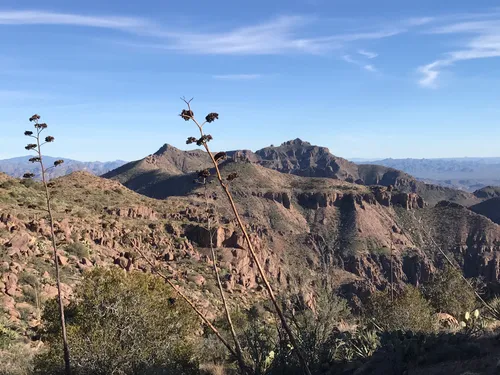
(317, 330)
(356, 345)
(8, 335)
(121, 323)
(15, 355)
(494, 303)
(258, 337)
(266, 347)
(8, 184)
(30, 183)
(473, 323)
(449, 293)
(78, 249)
(28, 278)
(409, 311)
(17, 359)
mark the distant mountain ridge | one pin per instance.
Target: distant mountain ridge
(18, 166)
(467, 174)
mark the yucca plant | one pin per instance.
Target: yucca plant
(38, 158)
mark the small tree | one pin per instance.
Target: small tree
(449, 293)
(409, 311)
(37, 147)
(122, 323)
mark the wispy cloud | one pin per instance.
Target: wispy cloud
(17, 95)
(350, 60)
(34, 17)
(237, 77)
(279, 35)
(368, 54)
(483, 41)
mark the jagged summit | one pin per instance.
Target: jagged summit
(296, 142)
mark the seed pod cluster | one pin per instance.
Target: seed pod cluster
(187, 114)
(211, 117)
(220, 156)
(204, 173)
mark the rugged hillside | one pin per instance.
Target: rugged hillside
(301, 228)
(294, 157)
(166, 162)
(17, 167)
(303, 159)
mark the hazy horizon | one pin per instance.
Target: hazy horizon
(393, 79)
(187, 148)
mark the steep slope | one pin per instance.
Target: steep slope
(167, 161)
(17, 167)
(299, 226)
(489, 208)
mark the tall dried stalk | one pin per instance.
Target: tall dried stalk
(203, 141)
(239, 353)
(39, 128)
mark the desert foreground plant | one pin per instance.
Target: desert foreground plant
(122, 323)
(37, 148)
(188, 115)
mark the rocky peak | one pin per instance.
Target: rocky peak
(166, 148)
(296, 142)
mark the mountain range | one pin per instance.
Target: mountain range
(18, 166)
(468, 174)
(459, 173)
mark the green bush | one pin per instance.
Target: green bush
(15, 355)
(409, 311)
(258, 339)
(316, 330)
(78, 249)
(449, 293)
(121, 323)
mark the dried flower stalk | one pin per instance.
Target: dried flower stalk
(189, 115)
(40, 127)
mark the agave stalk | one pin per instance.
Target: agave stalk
(203, 141)
(39, 128)
(239, 353)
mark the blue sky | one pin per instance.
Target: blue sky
(367, 79)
